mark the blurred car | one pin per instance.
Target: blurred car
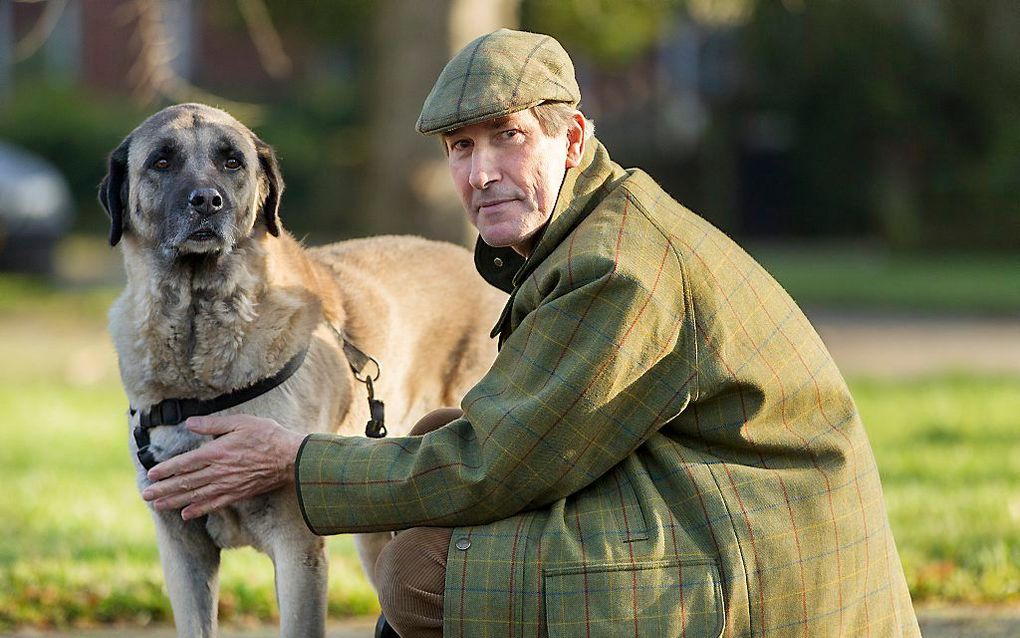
(35, 211)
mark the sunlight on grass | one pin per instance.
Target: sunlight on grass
(863, 278)
(77, 545)
(949, 454)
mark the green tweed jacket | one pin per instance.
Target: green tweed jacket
(663, 447)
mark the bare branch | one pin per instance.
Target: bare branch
(265, 37)
(153, 74)
(41, 30)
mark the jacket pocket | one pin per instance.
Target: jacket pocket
(630, 520)
(657, 599)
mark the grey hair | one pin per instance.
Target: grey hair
(555, 117)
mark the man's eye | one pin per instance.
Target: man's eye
(460, 145)
(510, 133)
(232, 164)
(161, 164)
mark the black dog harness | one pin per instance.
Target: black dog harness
(176, 411)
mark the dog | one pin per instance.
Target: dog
(221, 299)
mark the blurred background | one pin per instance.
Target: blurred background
(867, 152)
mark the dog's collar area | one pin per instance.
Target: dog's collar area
(175, 411)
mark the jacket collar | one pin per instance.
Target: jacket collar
(583, 188)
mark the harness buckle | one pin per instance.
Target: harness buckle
(170, 412)
(376, 426)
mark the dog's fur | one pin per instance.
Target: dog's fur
(205, 314)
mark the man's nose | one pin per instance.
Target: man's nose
(484, 170)
(205, 201)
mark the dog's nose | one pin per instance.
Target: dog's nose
(206, 200)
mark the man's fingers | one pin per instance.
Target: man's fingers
(185, 482)
(175, 494)
(201, 509)
(181, 464)
(163, 489)
(225, 469)
(214, 425)
(174, 502)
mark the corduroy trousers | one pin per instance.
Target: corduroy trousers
(411, 570)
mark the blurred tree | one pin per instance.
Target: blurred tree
(407, 187)
(6, 52)
(611, 34)
(899, 109)
(893, 119)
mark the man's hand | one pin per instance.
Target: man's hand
(250, 456)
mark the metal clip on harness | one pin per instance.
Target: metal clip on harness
(359, 360)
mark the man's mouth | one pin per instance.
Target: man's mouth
(491, 204)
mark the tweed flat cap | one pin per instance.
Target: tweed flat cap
(498, 74)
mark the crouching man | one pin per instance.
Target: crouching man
(663, 445)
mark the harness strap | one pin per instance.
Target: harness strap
(175, 411)
(357, 358)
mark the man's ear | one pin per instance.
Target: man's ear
(113, 190)
(576, 139)
(270, 211)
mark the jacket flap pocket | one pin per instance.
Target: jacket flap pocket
(658, 598)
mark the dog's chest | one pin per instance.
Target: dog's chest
(182, 345)
(243, 524)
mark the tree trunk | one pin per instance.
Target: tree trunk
(6, 52)
(408, 188)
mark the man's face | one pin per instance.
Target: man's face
(508, 174)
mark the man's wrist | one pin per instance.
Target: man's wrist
(292, 445)
(297, 485)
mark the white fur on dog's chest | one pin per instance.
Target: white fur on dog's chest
(231, 526)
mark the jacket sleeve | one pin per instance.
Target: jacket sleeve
(591, 371)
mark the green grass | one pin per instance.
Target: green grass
(20, 294)
(77, 545)
(948, 449)
(845, 276)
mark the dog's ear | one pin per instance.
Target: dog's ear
(113, 190)
(274, 186)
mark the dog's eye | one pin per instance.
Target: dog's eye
(232, 164)
(161, 164)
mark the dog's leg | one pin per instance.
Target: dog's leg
(302, 575)
(191, 568)
(369, 547)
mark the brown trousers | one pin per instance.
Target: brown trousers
(411, 569)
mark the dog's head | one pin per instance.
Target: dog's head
(191, 180)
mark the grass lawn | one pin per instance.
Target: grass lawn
(77, 544)
(848, 276)
(948, 451)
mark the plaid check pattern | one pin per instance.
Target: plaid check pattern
(497, 74)
(663, 447)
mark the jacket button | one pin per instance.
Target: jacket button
(462, 543)
(497, 262)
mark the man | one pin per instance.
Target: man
(662, 447)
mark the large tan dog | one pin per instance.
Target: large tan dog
(219, 297)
